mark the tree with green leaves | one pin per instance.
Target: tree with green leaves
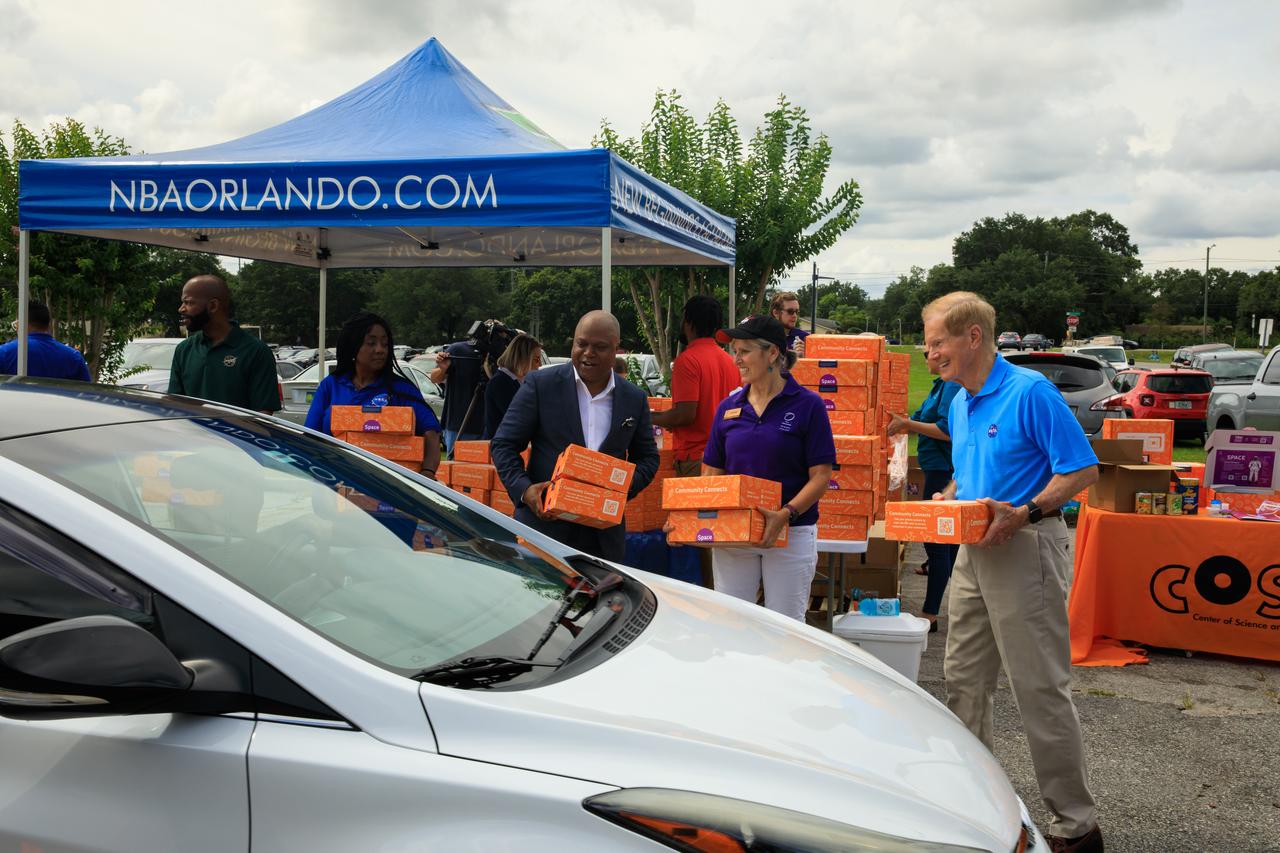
(100, 292)
(170, 270)
(548, 302)
(773, 187)
(438, 305)
(285, 300)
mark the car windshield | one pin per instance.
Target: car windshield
(1233, 370)
(148, 355)
(1068, 377)
(1105, 353)
(377, 562)
(1180, 384)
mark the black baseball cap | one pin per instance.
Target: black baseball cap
(763, 327)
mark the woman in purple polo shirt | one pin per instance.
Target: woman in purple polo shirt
(776, 430)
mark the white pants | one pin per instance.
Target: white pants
(787, 572)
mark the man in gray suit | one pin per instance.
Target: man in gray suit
(578, 403)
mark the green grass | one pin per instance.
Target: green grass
(921, 381)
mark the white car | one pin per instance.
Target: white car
(1114, 356)
(147, 362)
(219, 631)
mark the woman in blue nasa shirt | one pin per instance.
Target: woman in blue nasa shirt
(366, 375)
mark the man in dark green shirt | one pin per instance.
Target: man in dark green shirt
(218, 361)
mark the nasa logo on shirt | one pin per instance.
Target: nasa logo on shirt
(788, 421)
(228, 361)
(380, 400)
(992, 430)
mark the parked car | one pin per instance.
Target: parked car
(288, 629)
(1180, 395)
(1085, 383)
(288, 369)
(1229, 367)
(1183, 355)
(1112, 355)
(1009, 340)
(147, 362)
(1255, 403)
(1035, 342)
(651, 373)
(297, 392)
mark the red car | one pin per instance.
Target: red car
(1177, 394)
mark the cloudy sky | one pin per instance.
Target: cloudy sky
(1164, 113)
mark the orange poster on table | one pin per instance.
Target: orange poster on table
(1156, 435)
(1178, 582)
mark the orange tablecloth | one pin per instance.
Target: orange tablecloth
(1181, 582)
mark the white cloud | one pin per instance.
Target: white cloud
(1235, 135)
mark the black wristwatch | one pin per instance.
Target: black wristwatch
(791, 513)
(1034, 513)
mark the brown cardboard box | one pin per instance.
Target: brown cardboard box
(881, 552)
(872, 581)
(914, 488)
(1122, 474)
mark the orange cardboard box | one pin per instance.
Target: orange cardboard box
(853, 478)
(858, 449)
(481, 495)
(444, 473)
(385, 419)
(1156, 435)
(847, 399)
(711, 527)
(727, 491)
(852, 423)
(661, 404)
(501, 501)
(394, 446)
(472, 451)
(473, 475)
(952, 522)
(834, 372)
(595, 468)
(633, 521)
(847, 502)
(582, 503)
(866, 347)
(663, 439)
(899, 369)
(846, 528)
(156, 489)
(655, 519)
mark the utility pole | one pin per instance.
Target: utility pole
(813, 320)
(1204, 319)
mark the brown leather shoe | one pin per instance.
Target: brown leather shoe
(1090, 842)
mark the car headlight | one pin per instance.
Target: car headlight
(704, 823)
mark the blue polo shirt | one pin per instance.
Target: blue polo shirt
(45, 357)
(335, 390)
(792, 435)
(933, 453)
(1010, 438)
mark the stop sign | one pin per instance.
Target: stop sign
(1073, 321)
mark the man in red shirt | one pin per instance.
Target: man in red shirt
(702, 376)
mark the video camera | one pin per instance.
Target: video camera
(490, 338)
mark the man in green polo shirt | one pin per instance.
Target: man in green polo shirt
(218, 361)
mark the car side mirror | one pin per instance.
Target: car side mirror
(74, 666)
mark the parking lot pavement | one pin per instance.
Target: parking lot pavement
(1184, 752)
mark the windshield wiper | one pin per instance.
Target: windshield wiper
(477, 671)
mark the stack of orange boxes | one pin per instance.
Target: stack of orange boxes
(644, 511)
(863, 384)
(471, 472)
(384, 430)
(588, 487)
(719, 510)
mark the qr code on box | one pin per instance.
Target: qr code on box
(946, 527)
(610, 507)
(618, 476)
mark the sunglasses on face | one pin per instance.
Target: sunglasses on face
(789, 310)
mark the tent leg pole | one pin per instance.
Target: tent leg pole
(324, 306)
(606, 268)
(733, 297)
(24, 297)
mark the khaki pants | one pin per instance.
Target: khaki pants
(1008, 606)
(693, 468)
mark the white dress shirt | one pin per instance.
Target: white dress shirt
(596, 412)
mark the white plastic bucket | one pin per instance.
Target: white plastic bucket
(899, 640)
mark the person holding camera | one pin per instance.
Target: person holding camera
(458, 369)
(522, 355)
(579, 403)
(366, 375)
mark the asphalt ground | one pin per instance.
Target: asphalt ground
(1183, 752)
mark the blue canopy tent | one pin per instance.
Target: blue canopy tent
(423, 165)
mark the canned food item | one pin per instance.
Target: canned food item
(1189, 487)
(1158, 503)
(1174, 504)
(1142, 503)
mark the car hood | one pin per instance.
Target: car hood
(726, 698)
(155, 380)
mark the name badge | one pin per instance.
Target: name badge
(730, 414)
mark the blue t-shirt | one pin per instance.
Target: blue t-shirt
(45, 357)
(1009, 439)
(335, 390)
(935, 454)
(793, 435)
